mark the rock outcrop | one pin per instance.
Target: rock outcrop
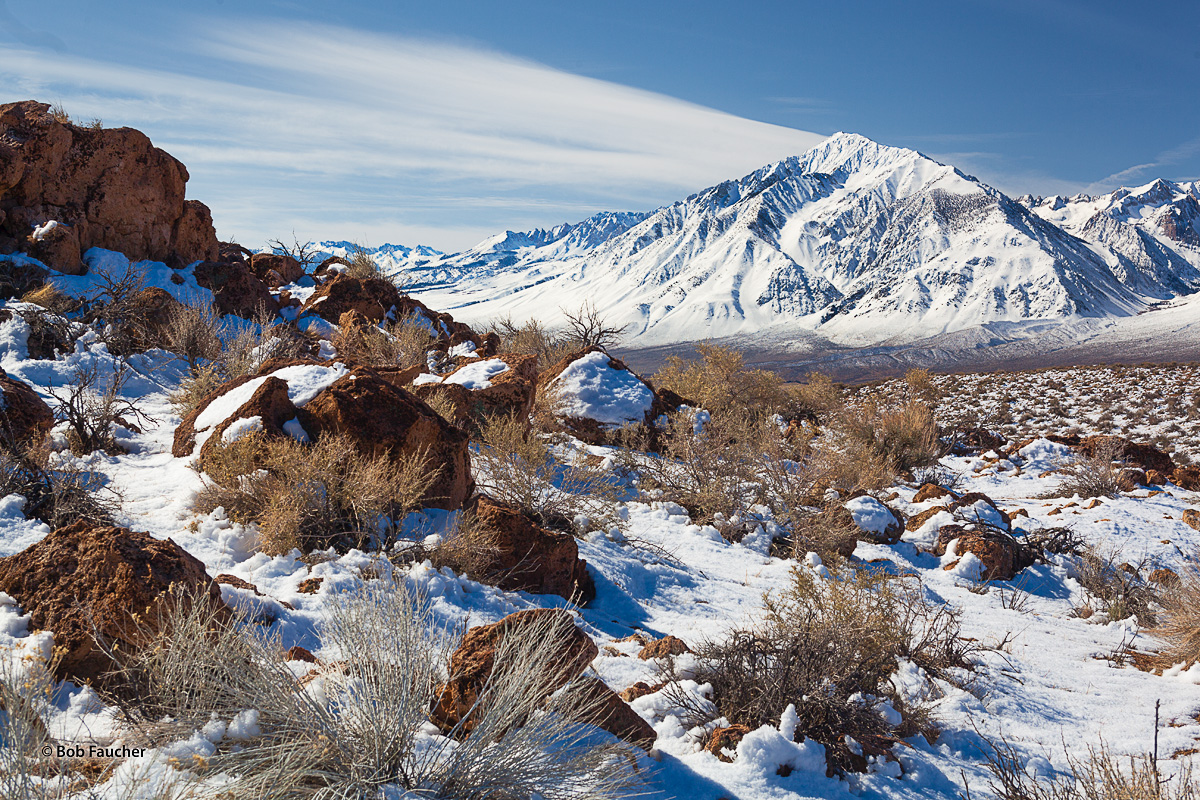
(508, 393)
(236, 289)
(378, 417)
(472, 664)
(1002, 556)
(24, 417)
(84, 580)
(107, 188)
(592, 394)
(524, 556)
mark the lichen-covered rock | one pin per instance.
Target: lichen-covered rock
(83, 579)
(112, 187)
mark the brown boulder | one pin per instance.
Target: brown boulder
(1191, 518)
(286, 268)
(1002, 555)
(930, 491)
(597, 432)
(917, 520)
(971, 498)
(1142, 456)
(1164, 577)
(24, 417)
(371, 297)
(1186, 478)
(640, 689)
(236, 289)
(511, 393)
(663, 648)
(112, 186)
(605, 709)
(1155, 478)
(722, 739)
(81, 580)
(524, 556)
(383, 419)
(472, 663)
(57, 248)
(378, 417)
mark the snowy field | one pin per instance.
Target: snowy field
(1044, 679)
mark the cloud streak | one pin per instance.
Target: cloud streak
(1167, 158)
(323, 129)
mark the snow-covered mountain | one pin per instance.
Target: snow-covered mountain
(853, 241)
(392, 258)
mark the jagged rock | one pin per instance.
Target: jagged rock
(1142, 456)
(608, 711)
(1002, 555)
(378, 417)
(472, 663)
(508, 393)
(111, 186)
(24, 417)
(1186, 478)
(371, 297)
(285, 268)
(236, 289)
(83, 579)
(664, 647)
(722, 739)
(527, 557)
(917, 520)
(1191, 518)
(930, 491)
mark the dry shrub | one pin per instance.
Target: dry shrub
(904, 436)
(532, 338)
(829, 647)
(515, 465)
(587, 328)
(819, 396)
(443, 406)
(59, 113)
(1099, 775)
(1095, 475)
(468, 549)
(720, 381)
(50, 298)
(365, 733)
(919, 386)
(93, 404)
(1179, 621)
(305, 253)
(1115, 588)
(328, 494)
(249, 344)
(200, 384)
(56, 489)
(404, 343)
(192, 331)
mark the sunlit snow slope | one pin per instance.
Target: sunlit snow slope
(854, 241)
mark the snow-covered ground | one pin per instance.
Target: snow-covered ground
(1042, 679)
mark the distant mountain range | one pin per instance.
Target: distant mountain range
(852, 243)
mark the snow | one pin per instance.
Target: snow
(591, 389)
(241, 427)
(477, 374)
(305, 381)
(869, 514)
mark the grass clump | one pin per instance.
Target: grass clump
(829, 647)
(327, 494)
(366, 732)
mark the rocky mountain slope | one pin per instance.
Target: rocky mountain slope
(854, 242)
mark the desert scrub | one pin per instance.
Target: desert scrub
(719, 381)
(829, 647)
(327, 494)
(1100, 474)
(359, 726)
(57, 489)
(515, 464)
(532, 338)
(403, 343)
(904, 435)
(93, 404)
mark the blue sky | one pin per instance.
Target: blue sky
(439, 123)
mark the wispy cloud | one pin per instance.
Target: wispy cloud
(340, 132)
(1167, 158)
